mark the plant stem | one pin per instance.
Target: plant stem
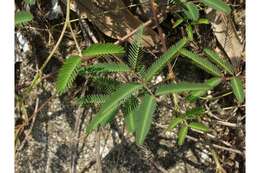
(37, 77)
(171, 75)
(75, 39)
(98, 157)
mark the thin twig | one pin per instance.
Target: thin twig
(75, 39)
(37, 77)
(77, 129)
(31, 126)
(132, 32)
(98, 157)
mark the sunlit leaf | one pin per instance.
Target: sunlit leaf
(237, 88)
(144, 117)
(199, 126)
(218, 5)
(182, 134)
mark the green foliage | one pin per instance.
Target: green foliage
(214, 57)
(23, 17)
(97, 50)
(237, 88)
(202, 21)
(199, 126)
(213, 82)
(144, 118)
(104, 68)
(178, 22)
(129, 110)
(184, 119)
(192, 11)
(189, 32)
(174, 122)
(116, 93)
(201, 62)
(162, 61)
(108, 118)
(130, 121)
(217, 5)
(105, 85)
(92, 99)
(135, 49)
(111, 104)
(180, 87)
(30, 2)
(182, 134)
(67, 74)
(194, 112)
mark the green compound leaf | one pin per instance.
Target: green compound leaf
(136, 48)
(105, 85)
(214, 57)
(129, 110)
(102, 49)
(201, 21)
(104, 68)
(23, 17)
(144, 117)
(30, 2)
(213, 82)
(180, 87)
(218, 5)
(109, 117)
(192, 11)
(177, 23)
(162, 61)
(201, 62)
(174, 122)
(67, 73)
(111, 104)
(92, 99)
(182, 134)
(195, 112)
(237, 88)
(130, 122)
(189, 32)
(199, 126)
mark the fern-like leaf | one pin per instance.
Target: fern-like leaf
(105, 85)
(104, 68)
(177, 23)
(201, 62)
(162, 61)
(214, 57)
(182, 134)
(90, 99)
(194, 112)
(23, 17)
(199, 126)
(189, 31)
(30, 2)
(192, 11)
(136, 48)
(174, 122)
(102, 49)
(108, 118)
(237, 88)
(67, 74)
(111, 104)
(129, 110)
(213, 82)
(144, 118)
(180, 87)
(218, 5)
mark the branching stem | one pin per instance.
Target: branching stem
(37, 77)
